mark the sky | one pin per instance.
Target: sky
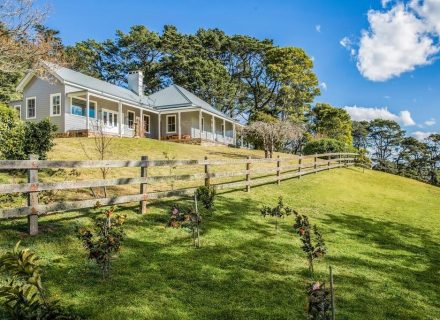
(375, 58)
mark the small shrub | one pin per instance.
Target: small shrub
(104, 239)
(319, 305)
(23, 294)
(186, 218)
(325, 145)
(312, 242)
(278, 211)
(38, 138)
(206, 195)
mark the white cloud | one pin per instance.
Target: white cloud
(397, 41)
(345, 42)
(420, 135)
(429, 11)
(323, 85)
(362, 113)
(385, 3)
(318, 28)
(430, 122)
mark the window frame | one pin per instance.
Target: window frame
(169, 116)
(83, 99)
(115, 115)
(17, 107)
(149, 123)
(35, 108)
(128, 119)
(51, 104)
(203, 124)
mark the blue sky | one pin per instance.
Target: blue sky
(369, 54)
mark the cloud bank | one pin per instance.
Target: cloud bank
(368, 114)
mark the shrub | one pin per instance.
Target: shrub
(23, 294)
(188, 218)
(312, 242)
(11, 134)
(319, 306)
(325, 145)
(278, 211)
(206, 195)
(38, 138)
(104, 239)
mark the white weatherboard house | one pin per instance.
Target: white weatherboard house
(79, 105)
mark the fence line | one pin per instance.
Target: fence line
(33, 209)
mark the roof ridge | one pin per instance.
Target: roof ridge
(183, 95)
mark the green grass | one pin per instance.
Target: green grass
(382, 234)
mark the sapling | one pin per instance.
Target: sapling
(319, 305)
(278, 211)
(206, 195)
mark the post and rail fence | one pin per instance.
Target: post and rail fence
(305, 165)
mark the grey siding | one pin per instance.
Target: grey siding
(41, 90)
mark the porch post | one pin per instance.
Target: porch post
(87, 112)
(224, 131)
(241, 138)
(234, 134)
(179, 127)
(120, 118)
(200, 124)
(141, 125)
(213, 127)
(159, 134)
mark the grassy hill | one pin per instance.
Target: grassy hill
(382, 233)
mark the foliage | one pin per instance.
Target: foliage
(325, 145)
(11, 134)
(312, 242)
(104, 240)
(272, 134)
(330, 122)
(38, 138)
(186, 218)
(206, 195)
(318, 302)
(23, 294)
(362, 159)
(359, 133)
(279, 211)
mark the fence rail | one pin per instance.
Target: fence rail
(276, 174)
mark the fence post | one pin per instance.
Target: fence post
(279, 169)
(207, 177)
(248, 174)
(33, 200)
(332, 294)
(328, 165)
(143, 186)
(314, 163)
(299, 166)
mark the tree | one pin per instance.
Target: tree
(433, 143)
(384, 137)
(325, 145)
(412, 159)
(330, 122)
(24, 43)
(272, 134)
(359, 133)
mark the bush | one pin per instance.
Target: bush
(11, 134)
(279, 211)
(23, 294)
(104, 240)
(187, 218)
(38, 138)
(206, 196)
(325, 145)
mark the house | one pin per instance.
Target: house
(81, 105)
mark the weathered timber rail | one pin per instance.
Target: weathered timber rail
(305, 165)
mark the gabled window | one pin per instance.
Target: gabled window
(31, 108)
(55, 104)
(146, 123)
(171, 124)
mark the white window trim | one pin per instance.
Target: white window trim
(203, 124)
(84, 99)
(114, 113)
(51, 104)
(27, 109)
(128, 119)
(18, 106)
(149, 123)
(175, 122)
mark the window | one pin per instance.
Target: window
(79, 107)
(223, 129)
(131, 119)
(31, 108)
(146, 123)
(18, 109)
(55, 104)
(109, 118)
(171, 124)
(203, 124)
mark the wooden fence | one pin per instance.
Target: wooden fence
(277, 173)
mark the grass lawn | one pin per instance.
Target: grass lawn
(382, 234)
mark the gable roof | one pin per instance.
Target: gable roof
(176, 96)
